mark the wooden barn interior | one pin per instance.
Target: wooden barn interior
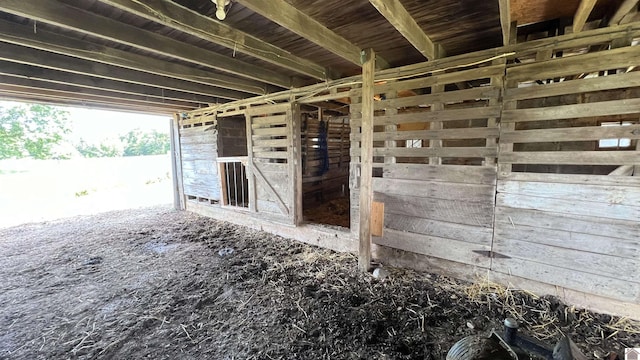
(486, 140)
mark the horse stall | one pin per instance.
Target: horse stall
(517, 165)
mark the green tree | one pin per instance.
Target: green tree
(138, 143)
(94, 151)
(32, 130)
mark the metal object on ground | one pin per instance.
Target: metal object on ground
(511, 346)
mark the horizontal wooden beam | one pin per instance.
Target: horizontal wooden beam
(171, 14)
(238, 88)
(582, 14)
(83, 103)
(287, 16)
(31, 86)
(400, 18)
(28, 56)
(89, 82)
(71, 18)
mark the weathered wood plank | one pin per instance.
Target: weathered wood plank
(571, 157)
(441, 229)
(470, 152)
(271, 154)
(601, 83)
(578, 224)
(260, 122)
(442, 115)
(625, 8)
(579, 261)
(623, 195)
(577, 280)
(266, 184)
(610, 180)
(602, 108)
(455, 211)
(270, 143)
(582, 14)
(366, 156)
(438, 190)
(505, 20)
(571, 134)
(438, 78)
(274, 131)
(287, 16)
(485, 92)
(444, 134)
(105, 28)
(573, 65)
(399, 17)
(594, 245)
(575, 207)
(447, 249)
(446, 173)
(176, 164)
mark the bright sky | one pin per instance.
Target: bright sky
(96, 125)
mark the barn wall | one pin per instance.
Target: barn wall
(487, 166)
(199, 151)
(560, 218)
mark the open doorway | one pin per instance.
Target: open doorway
(325, 168)
(232, 157)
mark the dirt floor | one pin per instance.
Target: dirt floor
(155, 283)
(334, 212)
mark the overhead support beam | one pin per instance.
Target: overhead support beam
(43, 40)
(56, 13)
(366, 160)
(505, 20)
(30, 86)
(582, 14)
(171, 14)
(79, 101)
(287, 16)
(400, 18)
(623, 10)
(38, 58)
(65, 78)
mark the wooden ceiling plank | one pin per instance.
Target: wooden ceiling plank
(23, 35)
(400, 18)
(23, 55)
(582, 14)
(177, 17)
(65, 78)
(287, 16)
(68, 17)
(505, 20)
(625, 8)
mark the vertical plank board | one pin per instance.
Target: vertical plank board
(492, 122)
(377, 218)
(251, 179)
(176, 163)
(390, 111)
(296, 163)
(436, 125)
(366, 160)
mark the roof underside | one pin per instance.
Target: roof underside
(162, 56)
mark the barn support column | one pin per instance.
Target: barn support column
(176, 163)
(366, 160)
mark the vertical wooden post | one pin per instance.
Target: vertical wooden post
(176, 163)
(390, 111)
(296, 162)
(366, 160)
(251, 179)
